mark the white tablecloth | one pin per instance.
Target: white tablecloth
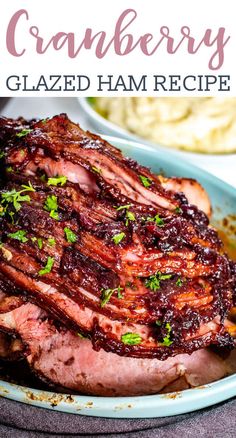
(223, 166)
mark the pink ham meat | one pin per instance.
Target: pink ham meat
(66, 359)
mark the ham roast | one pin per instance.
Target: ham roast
(112, 281)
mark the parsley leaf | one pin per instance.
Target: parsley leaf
(28, 188)
(179, 282)
(146, 182)
(158, 221)
(15, 198)
(120, 296)
(166, 340)
(51, 241)
(107, 293)
(123, 207)
(54, 214)
(57, 180)
(51, 205)
(2, 154)
(164, 276)
(178, 210)
(40, 243)
(131, 339)
(129, 217)
(43, 178)
(23, 133)
(96, 169)
(118, 238)
(154, 281)
(81, 336)
(43, 121)
(70, 235)
(19, 235)
(48, 267)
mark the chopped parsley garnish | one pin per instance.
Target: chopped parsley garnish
(51, 203)
(43, 178)
(51, 241)
(19, 235)
(52, 206)
(40, 243)
(11, 214)
(146, 182)
(179, 282)
(120, 296)
(43, 121)
(70, 235)
(158, 323)
(2, 154)
(28, 188)
(118, 238)
(123, 207)
(131, 339)
(158, 221)
(15, 198)
(154, 281)
(129, 215)
(9, 169)
(57, 180)
(166, 340)
(23, 133)
(107, 293)
(48, 267)
(178, 210)
(54, 214)
(96, 169)
(81, 336)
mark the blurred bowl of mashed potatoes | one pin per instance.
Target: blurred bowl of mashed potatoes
(205, 125)
(200, 129)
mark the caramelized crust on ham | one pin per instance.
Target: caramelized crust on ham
(191, 188)
(143, 277)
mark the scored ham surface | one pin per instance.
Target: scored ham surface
(107, 249)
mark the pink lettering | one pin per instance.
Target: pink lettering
(122, 42)
(11, 31)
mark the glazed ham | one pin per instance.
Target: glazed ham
(61, 357)
(92, 243)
